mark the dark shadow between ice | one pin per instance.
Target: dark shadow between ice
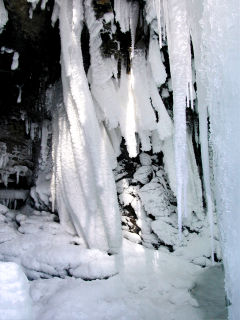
(210, 294)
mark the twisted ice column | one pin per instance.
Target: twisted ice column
(84, 174)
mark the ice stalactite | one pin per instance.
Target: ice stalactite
(195, 11)
(134, 13)
(179, 158)
(145, 116)
(178, 38)
(102, 69)
(158, 8)
(122, 10)
(127, 13)
(155, 60)
(19, 98)
(84, 178)
(15, 62)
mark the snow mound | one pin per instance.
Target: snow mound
(15, 302)
(44, 249)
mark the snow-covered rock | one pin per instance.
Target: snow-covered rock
(145, 159)
(165, 232)
(155, 199)
(143, 174)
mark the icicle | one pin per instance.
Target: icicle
(43, 4)
(158, 10)
(133, 24)
(14, 65)
(17, 176)
(145, 116)
(164, 124)
(128, 116)
(55, 14)
(44, 140)
(33, 6)
(33, 130)
(30, 13)
(19, 98)
(4, 156)
(102, 70)
(27, 126)
(122, 10)
(155, 60)
(180, 65)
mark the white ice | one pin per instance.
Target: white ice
(3, 16)
(86, 193)
(15, 62)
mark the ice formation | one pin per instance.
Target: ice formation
(114, 102)
(19, 98)
(129, 107)
(85, 188)
(3, 16)
(180, 64)
(215, 34)
(15, 62)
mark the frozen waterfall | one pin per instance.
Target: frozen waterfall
(90, 123)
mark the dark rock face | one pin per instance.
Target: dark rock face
(38, 46)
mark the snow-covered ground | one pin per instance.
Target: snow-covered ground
(139, 283)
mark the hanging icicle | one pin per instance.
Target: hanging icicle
(180, 65)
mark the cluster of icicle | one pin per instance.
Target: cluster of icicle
(214, 28)
(90, 125)
(131, 106)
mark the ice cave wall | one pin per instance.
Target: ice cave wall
(144, 68)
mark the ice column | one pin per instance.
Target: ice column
(86, 193)
(180, 64)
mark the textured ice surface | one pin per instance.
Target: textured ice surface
(215, 33)
(85, 189)
(180, 65)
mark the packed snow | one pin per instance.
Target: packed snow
(137, 283)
